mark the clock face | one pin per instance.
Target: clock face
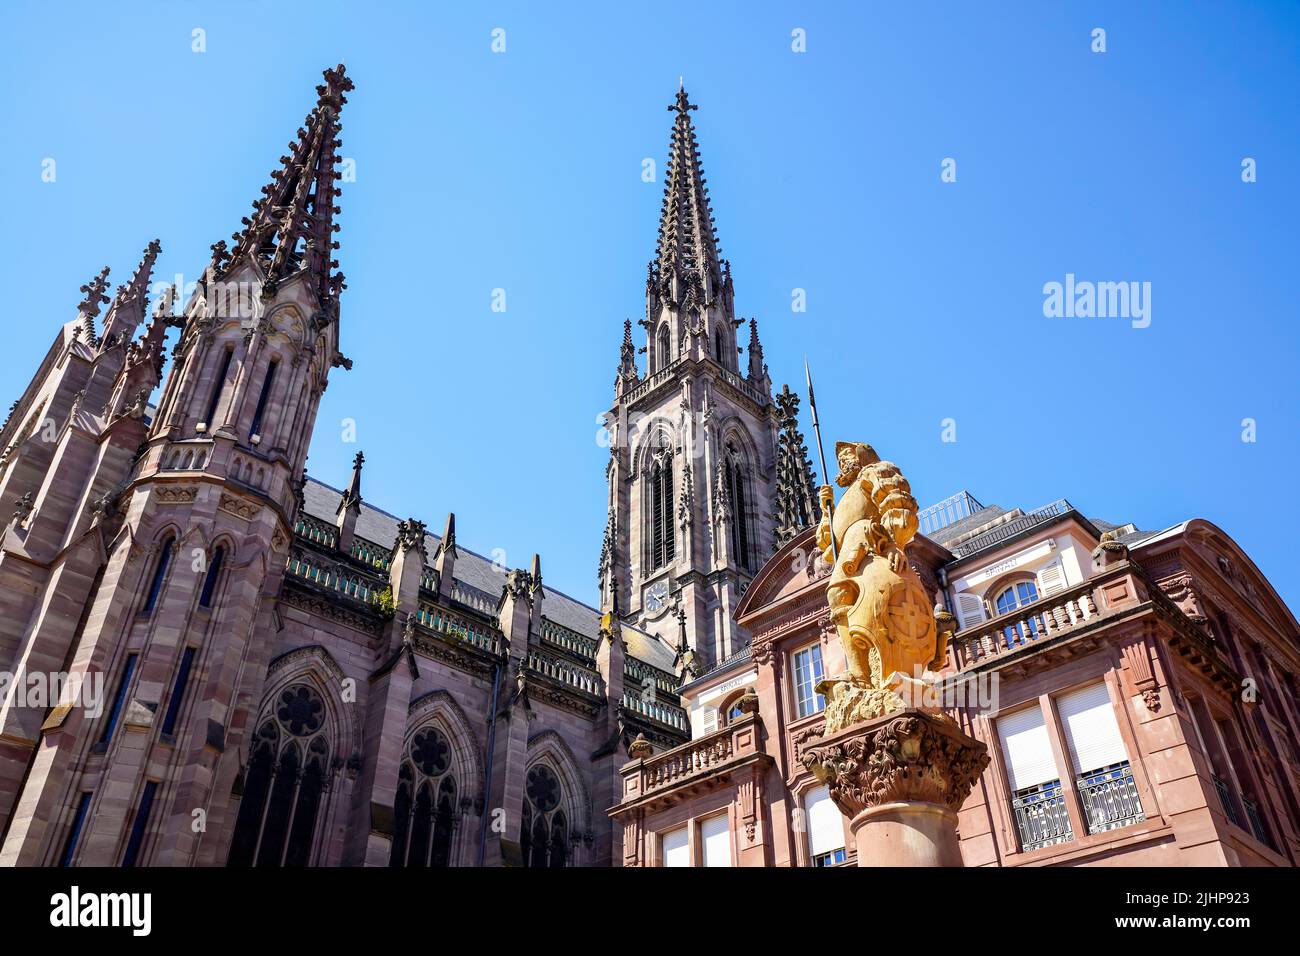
(656, 597)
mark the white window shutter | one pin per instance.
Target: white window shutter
(710, 719)
(1026, 748)
(1051, 579)
(970, 609)
(715, 836)
(1091, 731)
(825, 822)
(676, 847)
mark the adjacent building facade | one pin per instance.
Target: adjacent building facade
(1137, 692)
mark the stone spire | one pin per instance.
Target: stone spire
(127, 311)
(349, 508)
(627, 370)
(89, 306)
(444, 561)
(352, 495)
(688, 242)
(292, 226)
(757, 367)
(796, 489)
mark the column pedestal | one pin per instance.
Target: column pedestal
(900, 780)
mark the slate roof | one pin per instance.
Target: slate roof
(377, 526)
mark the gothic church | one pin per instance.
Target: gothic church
(292, 676)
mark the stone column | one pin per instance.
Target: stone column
(900, 780)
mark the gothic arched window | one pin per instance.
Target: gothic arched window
(213, 575)
(218, 387)
(662, 348)
(544, 831)
(263, 397)
(283, 783)
(717, 346)
(159, 575)
(425, 808)
(737, 490)
(659, 499)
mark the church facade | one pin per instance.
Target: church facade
(245, 665)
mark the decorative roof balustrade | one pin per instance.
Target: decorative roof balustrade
(453, 625)
(313, 529)
(651, 382)
(338, 578)
(370, 553)
(1010, 529)
(473, 597)
(640, 671)
(567, 639)
(670, 715)
(189, 455)
(742, 386)
(566, 672)
(952, 509)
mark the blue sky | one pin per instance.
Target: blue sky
(522, 171)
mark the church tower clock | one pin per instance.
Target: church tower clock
(693, 436)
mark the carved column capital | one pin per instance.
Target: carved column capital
(902, 757)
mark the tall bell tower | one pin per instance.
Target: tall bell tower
(693, 436)
(151, 550)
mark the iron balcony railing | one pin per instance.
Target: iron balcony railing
(1041, 816)
(1256, 822)
(1229, 805)
(1012, 528)
(1110, 798)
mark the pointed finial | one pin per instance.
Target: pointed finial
(536, 572)
(94, 290)
(330, 93)
(448, 543)
(352, 495)
(683, 103)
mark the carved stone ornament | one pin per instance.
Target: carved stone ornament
(907, 757)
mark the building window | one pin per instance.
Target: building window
(1037, 802)
(218, 387)
(1017, 596)
(1103, 777)
(660, 496)
(159, 576)
(825, 825)
(737, 490)
(141, 824)
(675, 847)
(807, 672)
(544, 831)
(283, 783)
(119, 699)
(715, 840)
(78, 825)
(210, 580)
(178, 691)
(662, 348)
(425, 808)
(263, 397)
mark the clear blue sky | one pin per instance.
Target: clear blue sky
(522, 171)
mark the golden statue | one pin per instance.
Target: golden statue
(890, 633)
